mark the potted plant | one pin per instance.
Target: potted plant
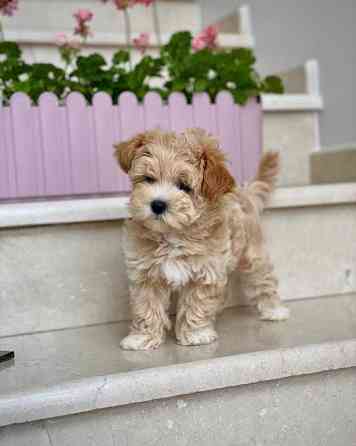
(58, 124)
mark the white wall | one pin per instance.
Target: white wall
(288, 32)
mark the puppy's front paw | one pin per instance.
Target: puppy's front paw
(140, 342)
(200, 336)
(279, 313)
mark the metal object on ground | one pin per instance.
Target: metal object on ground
(6, 356)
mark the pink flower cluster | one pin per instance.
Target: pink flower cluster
(142, 42)
(83, 17)
(124, 4)
(8, 7)
(206, 38)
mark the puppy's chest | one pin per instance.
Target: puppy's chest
(180, 265)
(175, 265)
(178, 262)
(176, 272)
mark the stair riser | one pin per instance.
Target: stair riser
(310, 410)
(71, 275)
(295, 136)
(334, 166)
(53, 16)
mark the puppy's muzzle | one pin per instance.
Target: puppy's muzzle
(158, 207)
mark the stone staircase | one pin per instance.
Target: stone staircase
(64, 307)
(37, 36)
(64, 310)
(62, 263)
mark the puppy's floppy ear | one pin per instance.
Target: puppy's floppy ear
(217, 180)
(126, 151)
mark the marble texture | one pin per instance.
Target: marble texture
(71, 275)
(71, 371)
(312, 410)
(313, 250)
(58, 17)
(51, 212)
(295, 136)
(61, 276)
(314, 195)
(333, 165)
(292, 102)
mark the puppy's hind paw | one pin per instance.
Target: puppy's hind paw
(279, 313)
(140, 342)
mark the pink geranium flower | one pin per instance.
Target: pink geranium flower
(198, 43)
(83, 16)
(8, 7)
(142, 42)
(206, 38)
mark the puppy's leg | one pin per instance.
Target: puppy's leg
(260, 286)
(196, 313)
(150, 320)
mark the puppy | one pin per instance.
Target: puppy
(190, 226)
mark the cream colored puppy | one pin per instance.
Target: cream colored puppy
(190, 227)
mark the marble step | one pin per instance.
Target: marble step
(334, 165)
(62, 263)
(57, 16)
(36, 24)
(293, 380)
(292, 126)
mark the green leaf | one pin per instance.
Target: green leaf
(241, 97)
(179, 45)
(200, 85)
(178, 85)
(92, 62)
(244, 56)
(184, 70)
(10, 49)
(120, 57)
(273, 84)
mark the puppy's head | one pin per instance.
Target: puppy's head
(175, 178)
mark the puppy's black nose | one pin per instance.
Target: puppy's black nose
(158, 207)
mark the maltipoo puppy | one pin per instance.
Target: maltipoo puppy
(190, 226)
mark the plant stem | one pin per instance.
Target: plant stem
(128, 31)
(156, 23)
(2, 36)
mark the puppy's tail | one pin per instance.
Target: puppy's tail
(264, 184)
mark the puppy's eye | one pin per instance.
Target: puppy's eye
(184, 187)
(149, 180)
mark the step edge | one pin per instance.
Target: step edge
(175, 380)
(335, 150)
(292, 102)
(103, 39)
(82, 210)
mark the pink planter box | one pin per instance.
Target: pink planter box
(51, 150)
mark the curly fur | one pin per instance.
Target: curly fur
(211, 227)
